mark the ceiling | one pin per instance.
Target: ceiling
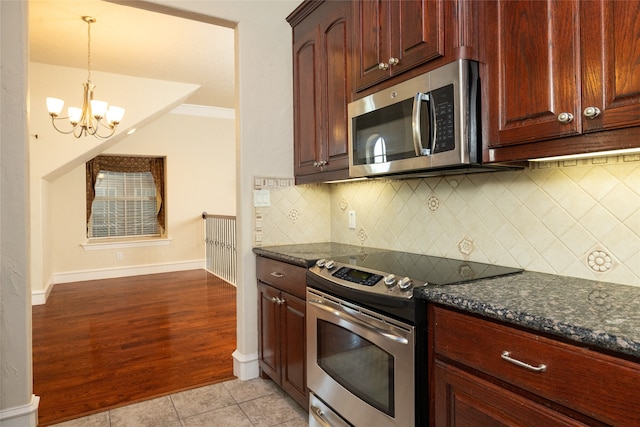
(136, 42)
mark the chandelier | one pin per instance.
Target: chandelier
(94, 116)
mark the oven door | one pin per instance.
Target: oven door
(360, 363)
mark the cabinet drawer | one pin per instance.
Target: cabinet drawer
(597, 385)
(283, 276)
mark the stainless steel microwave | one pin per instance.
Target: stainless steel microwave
(428, 125)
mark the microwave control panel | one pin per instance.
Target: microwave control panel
(442, 106)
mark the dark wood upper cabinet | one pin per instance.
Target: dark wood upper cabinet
(395, 36)
(533, 64)
(321, 90)
(610, 33)
(557, 71)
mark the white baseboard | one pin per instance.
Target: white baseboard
(245, 366)
(21, 416)
(40, 297)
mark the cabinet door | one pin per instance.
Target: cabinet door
(462, 399)
(322, 91)
(294, 372)
(533, 70)
(307, 108)
(611, 82)
(399, 34)
(417, 33)
(269, 345)
(372, 41)
(336, 83)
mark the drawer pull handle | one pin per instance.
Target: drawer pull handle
(507, 356)
(278, 275)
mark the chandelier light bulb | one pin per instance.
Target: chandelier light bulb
(54, 106)
(98, 108)
(75, 114)
(114, 115)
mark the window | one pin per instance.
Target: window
(380, 151)
(376, 149)
(125, 197)
(125, 205)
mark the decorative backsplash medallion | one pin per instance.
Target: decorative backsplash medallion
(466, 246)
(599, 261)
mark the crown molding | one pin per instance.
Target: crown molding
(205, 111)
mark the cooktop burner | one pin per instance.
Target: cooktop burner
(429, 269)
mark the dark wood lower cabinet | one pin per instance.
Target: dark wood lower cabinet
(269, 332)
(294, 367)
(487, 373)
(465, 400)
(281, 327)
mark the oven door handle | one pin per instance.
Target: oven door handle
(319, 416)
(348, 317)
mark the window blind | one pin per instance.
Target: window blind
(124, 205)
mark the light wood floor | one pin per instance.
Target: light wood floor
(103, 344)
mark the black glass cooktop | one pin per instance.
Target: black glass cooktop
(430, 269)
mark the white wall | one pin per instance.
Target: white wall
(53, 154)
(263, 146)
(200, 176)
(18, 406)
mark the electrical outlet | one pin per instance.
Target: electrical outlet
(352, 220)
(119, 256)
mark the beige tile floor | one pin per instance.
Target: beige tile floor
(253, 403)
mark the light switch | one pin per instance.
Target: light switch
(261, 198)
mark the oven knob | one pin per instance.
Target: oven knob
(321, 262)
(404, 283)
(390, 280)
(330, 264)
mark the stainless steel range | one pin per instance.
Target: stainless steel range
(363, 335)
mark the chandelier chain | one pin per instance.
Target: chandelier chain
(89, 51)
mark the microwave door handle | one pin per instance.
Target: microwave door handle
(416, 125)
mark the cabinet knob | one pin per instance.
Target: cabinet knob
(320, 164)
(591, 112)
(277, 300)
(394, 61)
(565, 117)
(383, 66)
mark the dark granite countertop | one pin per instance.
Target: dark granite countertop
(305, 255)
(597, 314)
(600, 315)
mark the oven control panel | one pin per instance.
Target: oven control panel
(365, 279)
(357, 276)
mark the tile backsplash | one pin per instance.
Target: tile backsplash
(575, 218)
